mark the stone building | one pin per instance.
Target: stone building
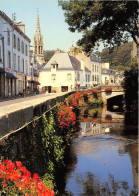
(14, 57)
(38, 43)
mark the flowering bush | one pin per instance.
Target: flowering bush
(108, 89)
(72, 102)
(66, 117)
(77, 96)
(94, 91)
(85, 94)
(15, 179)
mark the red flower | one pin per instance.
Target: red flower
(85, 94)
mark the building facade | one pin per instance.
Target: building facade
(108, 75)
(63, 73)
(38, 43)
(96, 70)
(92, 62)
(14, 58)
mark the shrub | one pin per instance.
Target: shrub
(108, 89)
(15, 179)
(95, 102)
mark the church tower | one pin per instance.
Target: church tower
(38, 43)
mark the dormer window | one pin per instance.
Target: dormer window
(54, 65)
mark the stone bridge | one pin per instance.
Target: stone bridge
(115, 91)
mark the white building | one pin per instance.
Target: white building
(108, 75)
(63, 73)
(96, 69)
(14, 57)
(91, 62)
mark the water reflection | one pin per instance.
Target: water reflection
(106, 158)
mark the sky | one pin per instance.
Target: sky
(52, 22)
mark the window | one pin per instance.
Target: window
(19, 63)
(41, 50)
(8, 37)
(26, 50)
(68, 77)
(53, 77)
(78, 76)
(26, 67)
(93, 68)
(9, 59)
(14, 61)
(18, 44)
(14, 41)
(22, 47)
(23, 65)
(93, 78)
(0, 55)
(88, 78)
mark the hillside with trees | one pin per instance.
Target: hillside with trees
(119, 58)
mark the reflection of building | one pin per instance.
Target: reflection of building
(14, 57)
(89, 128)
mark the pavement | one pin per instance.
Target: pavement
(12, 105)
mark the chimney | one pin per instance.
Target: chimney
(21, 27)
(82, 65)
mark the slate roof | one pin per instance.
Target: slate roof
(64, 61)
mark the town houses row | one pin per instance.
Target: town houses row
(24, 70)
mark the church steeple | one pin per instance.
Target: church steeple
(38, 42)
(38, 30)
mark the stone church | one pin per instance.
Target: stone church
(38, 43)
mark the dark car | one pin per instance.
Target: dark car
(82, 88)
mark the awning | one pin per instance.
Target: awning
(10, 76)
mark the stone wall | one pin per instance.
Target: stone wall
(21, 117)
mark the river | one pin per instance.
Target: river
(104, 157)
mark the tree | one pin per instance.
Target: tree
(48, 54)
(119, 57)
(111, 22)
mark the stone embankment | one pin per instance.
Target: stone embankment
(18, 113)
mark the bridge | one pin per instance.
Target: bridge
(115, 91)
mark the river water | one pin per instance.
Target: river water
(104, 158)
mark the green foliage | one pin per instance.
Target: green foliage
(48, 54)
(119, 58)
(53, 143)
(110, 22)
(130, 86)
(95, 102)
